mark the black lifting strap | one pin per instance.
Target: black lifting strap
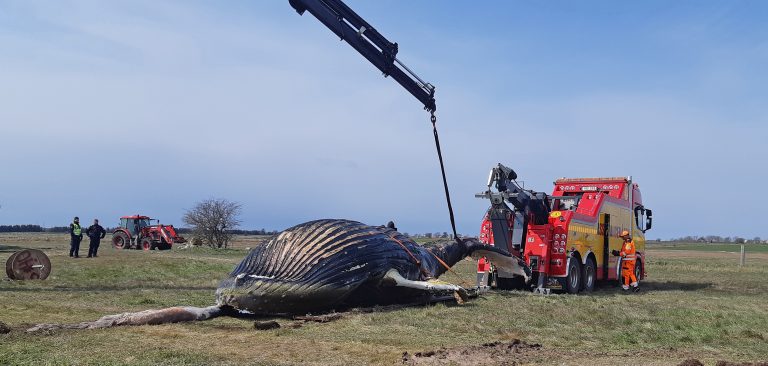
(442, 169)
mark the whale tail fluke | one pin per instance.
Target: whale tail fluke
(174, 314)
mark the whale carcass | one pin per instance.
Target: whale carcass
(324, 265)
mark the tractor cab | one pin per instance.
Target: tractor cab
(134, 224)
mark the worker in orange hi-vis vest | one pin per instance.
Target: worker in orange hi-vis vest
(482, 272)
(628, 258)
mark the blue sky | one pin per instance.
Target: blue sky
(121, 107)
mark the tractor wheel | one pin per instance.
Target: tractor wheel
(589, 275)
(121, 240)
(573, 281)
(164, 246)
(146, 244)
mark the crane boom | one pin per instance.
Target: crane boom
(382, 53)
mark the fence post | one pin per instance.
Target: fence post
(743, 257)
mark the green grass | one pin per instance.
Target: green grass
(705, 308)
(707, 247)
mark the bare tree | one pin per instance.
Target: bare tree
(212, 221)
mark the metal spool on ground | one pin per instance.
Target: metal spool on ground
(28, 264)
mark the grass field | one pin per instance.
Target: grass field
(734, 248)
(695, 304)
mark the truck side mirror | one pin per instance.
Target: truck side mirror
(648, 220)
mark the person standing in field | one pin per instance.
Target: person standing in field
(75, 236)
(482, 272)
(95, 232)
(628, 260)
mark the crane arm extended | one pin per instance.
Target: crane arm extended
(353, 29)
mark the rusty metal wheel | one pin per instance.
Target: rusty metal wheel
(28, 264)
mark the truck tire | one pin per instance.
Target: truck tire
(638, 269)
(589, 276)
(121, 240)
(145, 244)
(573, 281)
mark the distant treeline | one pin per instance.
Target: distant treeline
(21, 229)
(186, 230)
(718, 239)
(65, 229)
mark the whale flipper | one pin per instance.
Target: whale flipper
(435, 288)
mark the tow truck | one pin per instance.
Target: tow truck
(565, 238)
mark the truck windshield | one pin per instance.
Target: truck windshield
(568, 201)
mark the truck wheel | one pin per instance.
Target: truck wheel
(573, 281)
(589, 275)
(146, 244)
(120, 240)
(638, 270)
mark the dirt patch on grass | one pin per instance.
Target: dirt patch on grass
(691, 362)
(496, 353)
(695, 362)
(4, 328)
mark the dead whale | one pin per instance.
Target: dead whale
(325, 265)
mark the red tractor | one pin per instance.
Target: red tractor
(137, 232)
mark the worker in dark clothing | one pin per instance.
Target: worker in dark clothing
(75, 235)
(95, 232)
